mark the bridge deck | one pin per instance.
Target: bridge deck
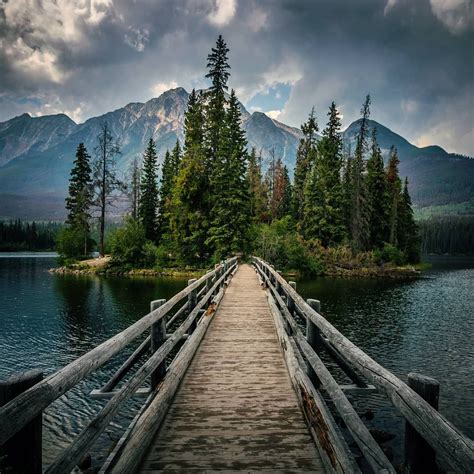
(235, 409)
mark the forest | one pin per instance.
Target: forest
(215, 198)
(22, 236)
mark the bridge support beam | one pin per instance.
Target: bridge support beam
(157, 339)
(419, 455)
(23, 451)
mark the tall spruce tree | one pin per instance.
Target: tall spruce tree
(407, 230)
(149, 192)
(394, 185)
(377, 195)
(359, 221)
(230, 221)
(169, 173)
(323, 199)
(279, 186)
(190, 200)
(79, 200)
(305, 156)
(134, 176)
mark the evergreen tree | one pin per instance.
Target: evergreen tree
(230, 211)
(377, 195)
(257, 191)
(218, 73)
(323, 199)
(394, 185)
(190, 203)
(169, 173)
(79, 200)
(407, 230)
(149, 192)
(305, 156)
(279, 187)
(359, 224)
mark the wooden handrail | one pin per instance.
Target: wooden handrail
(22, 409)
(455, 448)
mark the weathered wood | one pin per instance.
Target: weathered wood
(18, 412)
(456, 449)
(235, 409)
(192, 301)
(23, 452)
(419, 455)
(331, 445)
(68, 459)
(290, 302)
(126, 366)
(157, 338)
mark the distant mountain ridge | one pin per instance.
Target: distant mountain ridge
(36, 153)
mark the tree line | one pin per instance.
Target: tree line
(214, 197)
(16, 235)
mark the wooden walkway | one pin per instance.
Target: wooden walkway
(236, 409)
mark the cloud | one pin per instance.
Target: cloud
(273, 114)
(161, 87)
(457, 15)
(137, 38)
(223, 12)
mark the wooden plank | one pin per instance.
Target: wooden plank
(235, 408)
(448, 441)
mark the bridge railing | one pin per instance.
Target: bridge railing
(188, 322)
(428, 433)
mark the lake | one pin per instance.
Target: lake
(426, 326)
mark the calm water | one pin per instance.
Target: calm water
(426, 326)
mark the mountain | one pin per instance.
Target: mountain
(36, 153)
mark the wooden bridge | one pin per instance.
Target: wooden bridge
(234, 381)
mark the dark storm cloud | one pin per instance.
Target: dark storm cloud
(87, 57)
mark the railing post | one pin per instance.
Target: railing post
(23, 451)
(290, 303)
(277, 283)
(192, 302)
(312, 336)
(157, 338)
(419, 455)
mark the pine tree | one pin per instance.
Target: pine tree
(394, 190)
(218, 73)
(407, 230)
(149, 192)
(169, 173)
(190, 201)
(105, 177)
(257, 191)
(377, 195)
(79, 200)
(279, 187)
(305, 156)
(323, 199)
(230, 222)
(359, 224)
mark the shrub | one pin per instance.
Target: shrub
(391, 254)
(71, 244)
(129, 246)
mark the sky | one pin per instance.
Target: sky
(87, 57)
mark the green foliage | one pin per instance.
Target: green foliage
(73, 242)
(258, 192)
(19, 236)
(129, 246)
(280, 244)
(305, 156)
(390, 254)
(149, 192)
